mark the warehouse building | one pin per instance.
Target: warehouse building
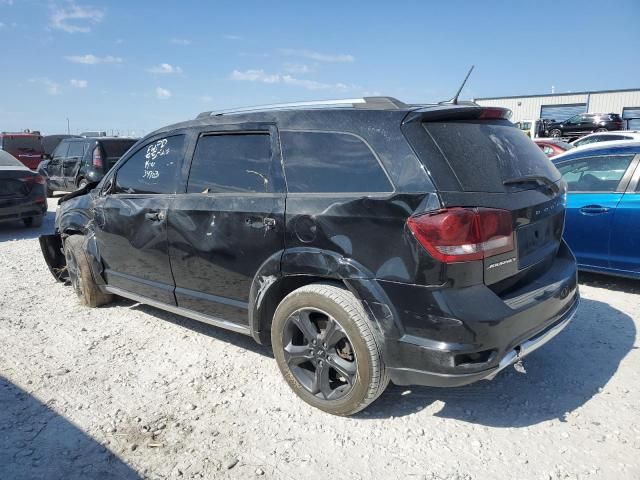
(560, 106)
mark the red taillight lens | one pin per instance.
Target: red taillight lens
(463, 234)
(39, 179)
(96, 160)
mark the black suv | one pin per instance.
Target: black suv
(376, 241)
(583, 124)
(78, 161)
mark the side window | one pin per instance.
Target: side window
(595, 174)
(238, 162)
(153, 168)
(61, 150)
(330, 162)
(76, 149)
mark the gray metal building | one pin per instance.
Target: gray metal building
(560, 106)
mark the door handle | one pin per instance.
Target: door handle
(154, 216)
(269, 222)
(593, 210)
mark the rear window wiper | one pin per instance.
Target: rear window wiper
(539, 180)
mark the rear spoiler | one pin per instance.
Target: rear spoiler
(468, 111)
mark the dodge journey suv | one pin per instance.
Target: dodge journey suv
(365, 241)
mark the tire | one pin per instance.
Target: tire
(600, 130)
(80, 273)
(33, 222)
(350, 360)
(555, 133)
(82, 183)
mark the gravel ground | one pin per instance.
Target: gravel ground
(128, 391)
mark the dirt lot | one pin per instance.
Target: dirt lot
(128, 391)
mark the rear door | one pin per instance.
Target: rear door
(625, 232)
(596, 184)
(229, 221)
(71, 163)
(131, 219)
(55, 167)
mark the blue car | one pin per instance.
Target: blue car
(603, 207)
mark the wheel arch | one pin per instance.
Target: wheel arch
(287, 271)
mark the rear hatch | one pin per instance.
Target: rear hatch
(479, 160)
(114, 149)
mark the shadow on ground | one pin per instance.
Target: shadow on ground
(237, 339)
(37, 443)
(618, 284)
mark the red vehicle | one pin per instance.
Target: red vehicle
(552, 147)
(26, 147)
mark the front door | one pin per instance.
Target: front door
(131, 219)
(596, 185)
(230, 220)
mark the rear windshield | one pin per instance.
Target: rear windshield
(483, 154)
(116, 148)
(7, 160)
(23, 144)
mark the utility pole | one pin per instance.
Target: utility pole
(68, 129)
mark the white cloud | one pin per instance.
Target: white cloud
(317, 56)
(164, 69)
(232, 37)
(51, 87)
(262, 76)
(78, 83)
(298, 68)
(162, 93)
(92, 59)
(181, 41)
(73, 18)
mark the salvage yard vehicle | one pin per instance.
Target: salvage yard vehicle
(78, 161)
(585, 123)
(632, 135)
(25, 146)
(365, 240)
(552, 146)
(603, 206)
(22, 193)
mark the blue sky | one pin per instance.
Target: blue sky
(135, 66)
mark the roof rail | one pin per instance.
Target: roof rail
(366, 102)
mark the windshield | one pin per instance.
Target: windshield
(7, 160)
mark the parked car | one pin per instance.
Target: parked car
(552, 146)
(603, 206)
(364, 243)
(50, 143)
(22, 192)
(585, 123)
(79, 161)
(26, 147)
(607, 137)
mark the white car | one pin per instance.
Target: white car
(601, 137)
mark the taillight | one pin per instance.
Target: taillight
(463, 234)
(96, 160)
(39, 179)
(494, 113)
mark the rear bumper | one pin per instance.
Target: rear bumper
(17, 209)
(410, 376)
(455, 336)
